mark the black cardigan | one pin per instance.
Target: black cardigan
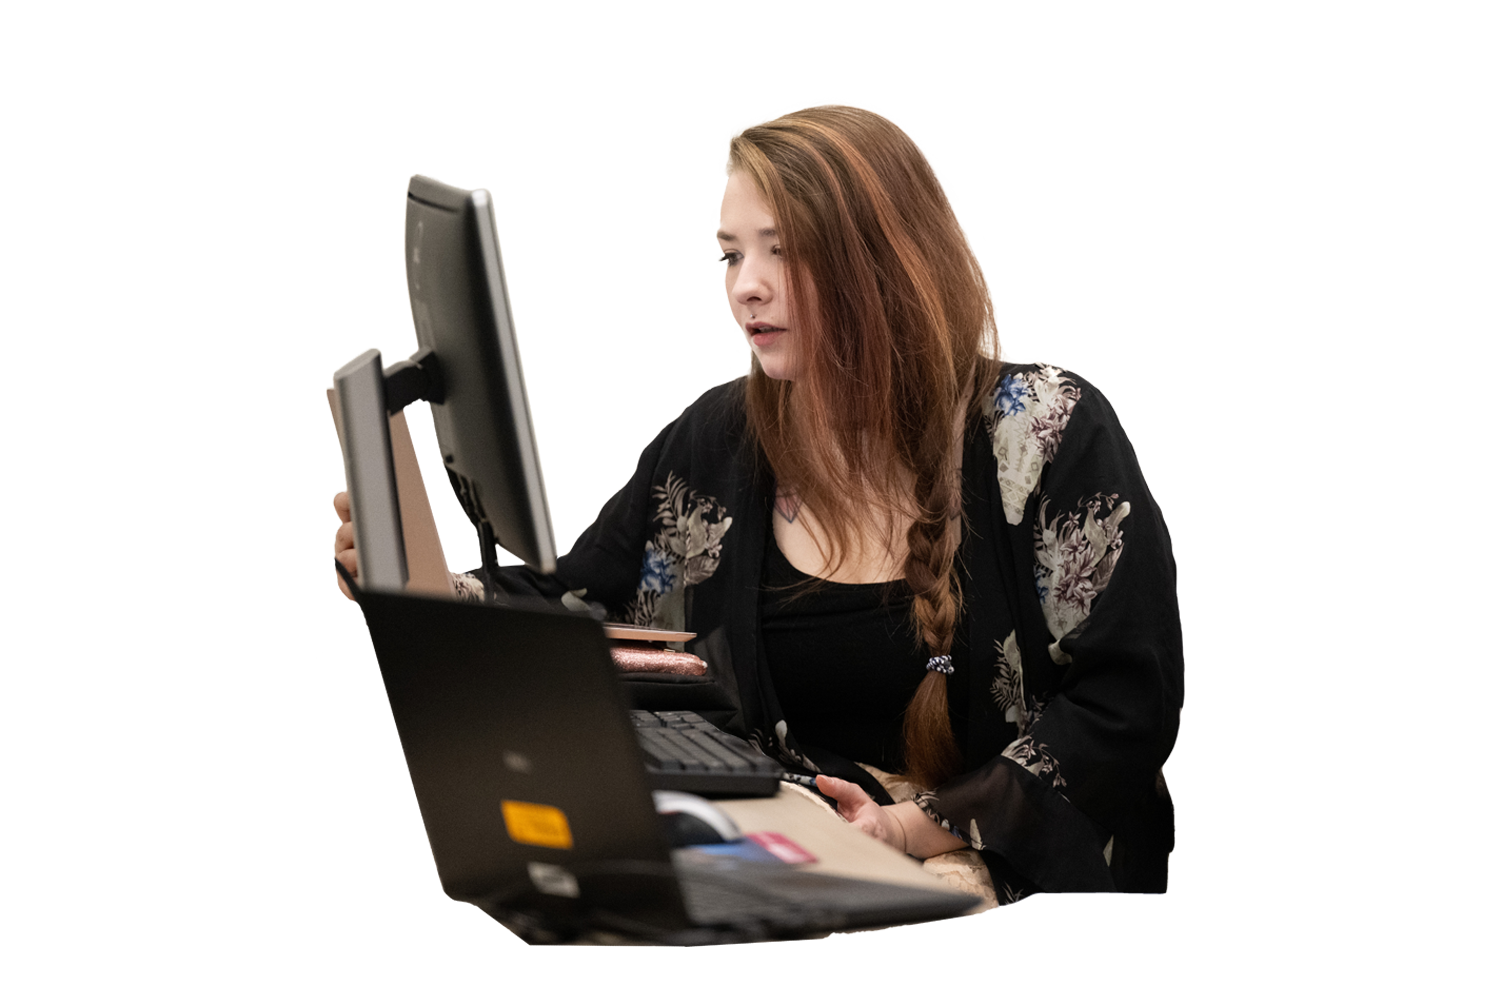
(1075, 682)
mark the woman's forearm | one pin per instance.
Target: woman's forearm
(921, 836)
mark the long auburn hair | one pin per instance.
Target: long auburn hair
(894, 329)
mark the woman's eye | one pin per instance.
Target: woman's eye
(776, 251)
(731, 257)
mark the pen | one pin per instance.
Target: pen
(810, 782)
(806, 781)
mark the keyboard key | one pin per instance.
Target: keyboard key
(685, 752)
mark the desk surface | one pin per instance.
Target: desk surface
(840, 849)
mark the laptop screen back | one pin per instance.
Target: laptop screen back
(525, 766)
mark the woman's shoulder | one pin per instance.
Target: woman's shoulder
(1017, 397)
(716, 413)
(1027, 411)
(1014, 374)
(722, 402)
(711, 422)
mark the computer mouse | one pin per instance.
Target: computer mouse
(691, 819)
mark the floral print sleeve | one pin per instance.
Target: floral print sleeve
(684, 552)
(1085, 686)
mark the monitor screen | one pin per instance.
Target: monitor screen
(462, 314)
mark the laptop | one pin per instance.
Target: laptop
(535, 798)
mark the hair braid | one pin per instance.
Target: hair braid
(932, 754)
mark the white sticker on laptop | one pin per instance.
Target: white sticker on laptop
(553, 880)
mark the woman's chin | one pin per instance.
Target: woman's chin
(776, 367)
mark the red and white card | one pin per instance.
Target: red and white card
(787, 850)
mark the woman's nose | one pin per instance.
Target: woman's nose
(752, 284)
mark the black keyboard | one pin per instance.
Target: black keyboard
(686, 753)
(730, 891)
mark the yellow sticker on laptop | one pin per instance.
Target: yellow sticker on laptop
(536, 824)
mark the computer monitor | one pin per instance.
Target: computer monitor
(469, 370)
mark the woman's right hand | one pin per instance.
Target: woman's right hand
(343, 542)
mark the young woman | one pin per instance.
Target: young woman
(908, 565)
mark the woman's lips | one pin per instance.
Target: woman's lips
(763, 336)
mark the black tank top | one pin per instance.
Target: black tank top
(845, 660)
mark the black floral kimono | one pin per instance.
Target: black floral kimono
(1074, 682)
